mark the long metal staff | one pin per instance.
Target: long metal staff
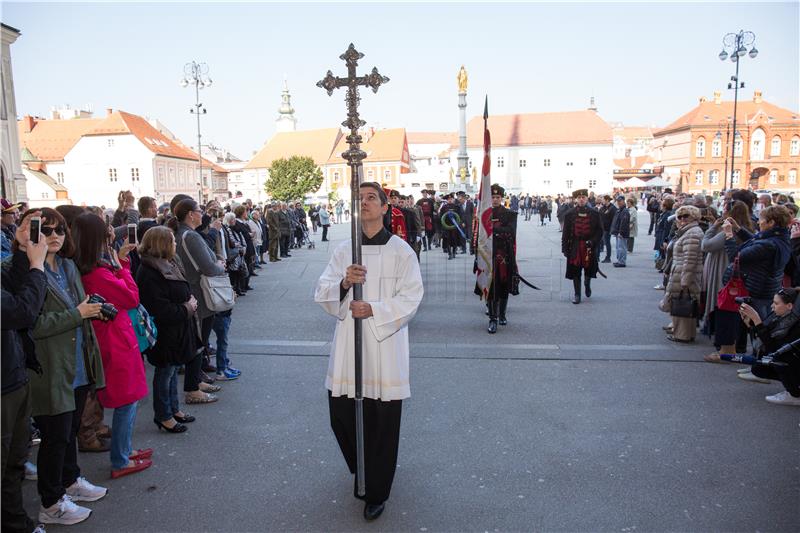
(354, 156)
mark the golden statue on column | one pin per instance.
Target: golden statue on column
(462, 80)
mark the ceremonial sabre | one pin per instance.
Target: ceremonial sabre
(354, 156)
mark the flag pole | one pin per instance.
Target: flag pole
(354, 156)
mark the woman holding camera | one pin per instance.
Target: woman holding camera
(68, 353)
(687, 271)
(165, 291)
(779, 328)
(761, 257)
(107, 274)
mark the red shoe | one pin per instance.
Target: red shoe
(146, 453)
(138, 465)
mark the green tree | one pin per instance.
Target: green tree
(293, 178)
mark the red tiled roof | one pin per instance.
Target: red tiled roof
(316, 144)
(384, 145)
(51, 140)
(630, 133)
(120, 122)
(710, 114)
(634, 162)
(571, 127)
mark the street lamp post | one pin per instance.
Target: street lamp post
(197, 74)
(734, 45)
(727, 125)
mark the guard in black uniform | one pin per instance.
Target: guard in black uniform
(451, 237)
(580, 241)
(504, 252)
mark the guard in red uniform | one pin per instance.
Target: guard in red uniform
(580, 240)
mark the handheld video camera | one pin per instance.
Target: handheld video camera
(106, 309)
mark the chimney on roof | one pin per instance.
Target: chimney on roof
(109, 111)
(28, 122)
(592, 105)
(717, 97)
(757, 97)
(703, 99)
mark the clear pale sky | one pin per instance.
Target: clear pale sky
(645, 63)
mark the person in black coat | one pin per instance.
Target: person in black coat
(621, 229)
(579, 243)
(607, 212)
(22, 301)
(165, 293)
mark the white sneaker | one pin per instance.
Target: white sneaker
(63, 512)
(31, 472)
(746, 370)
(749, 376)
(784, 398)
(39, 529)
(83, 491)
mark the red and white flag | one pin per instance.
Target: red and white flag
(483, 252)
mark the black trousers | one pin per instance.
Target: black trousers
(381, 441)
(57, 461)
(284, 245)
(194, 368)
(325, 232)
(16, 432)
(653, 217)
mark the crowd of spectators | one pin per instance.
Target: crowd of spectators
(85, 308)
(731, 271)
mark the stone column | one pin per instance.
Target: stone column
(463, 158)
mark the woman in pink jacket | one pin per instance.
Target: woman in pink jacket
(107, 274)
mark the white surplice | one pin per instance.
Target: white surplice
(394, 289)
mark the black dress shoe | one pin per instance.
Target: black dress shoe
(576, 299)
(606, 260)
(503, 321)
(588, 291)
(373, 511)
(177, 428)
(253, 274)
(492, 326)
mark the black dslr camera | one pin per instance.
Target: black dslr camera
(743, 300)
(106, 309)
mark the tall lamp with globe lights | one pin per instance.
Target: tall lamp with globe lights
(734, 47)
(196, 74)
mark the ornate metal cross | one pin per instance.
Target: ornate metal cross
(354, 155)
(372, 80)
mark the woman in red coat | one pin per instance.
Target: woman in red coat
(107, 274)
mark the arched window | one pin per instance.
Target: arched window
(700, 147)
(757, 145)
(713, 177)
(793, 176)
(773, 176)
(794, 146)
(735, 177)
(775, 147)
(698, 177)
(716, 148)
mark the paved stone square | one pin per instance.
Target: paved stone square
(571, 418)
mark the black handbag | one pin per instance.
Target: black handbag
(683, 306)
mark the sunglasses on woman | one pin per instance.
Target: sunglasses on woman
(48, 230)
(681, 217)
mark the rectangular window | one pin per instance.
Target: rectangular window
(793, 176)
(181, 177)
(569, 163)
(172, 183)
(501, 162)
(60, 177)
(592, 184)
(735, 177)
(794, 147)
(716, 148)
(775, 150)
(370, 175)
(547, 162)
(134, 174)
(698, 177)
(523, 163)
(737, 148)
(112, 174)
(160, 173)
(592, 161)
(700, 148)
(713, 177)
(110, 143)
(773, 177)
(336, 176)
(569, 184)
(387, 174)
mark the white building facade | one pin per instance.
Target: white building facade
(12, 180)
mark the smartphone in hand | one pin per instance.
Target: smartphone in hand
(36, 228)
(132, 234)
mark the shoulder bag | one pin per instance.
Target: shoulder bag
(144, 327)
(735, 288)
(217, 291)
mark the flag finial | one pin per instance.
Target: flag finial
(486, 108)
